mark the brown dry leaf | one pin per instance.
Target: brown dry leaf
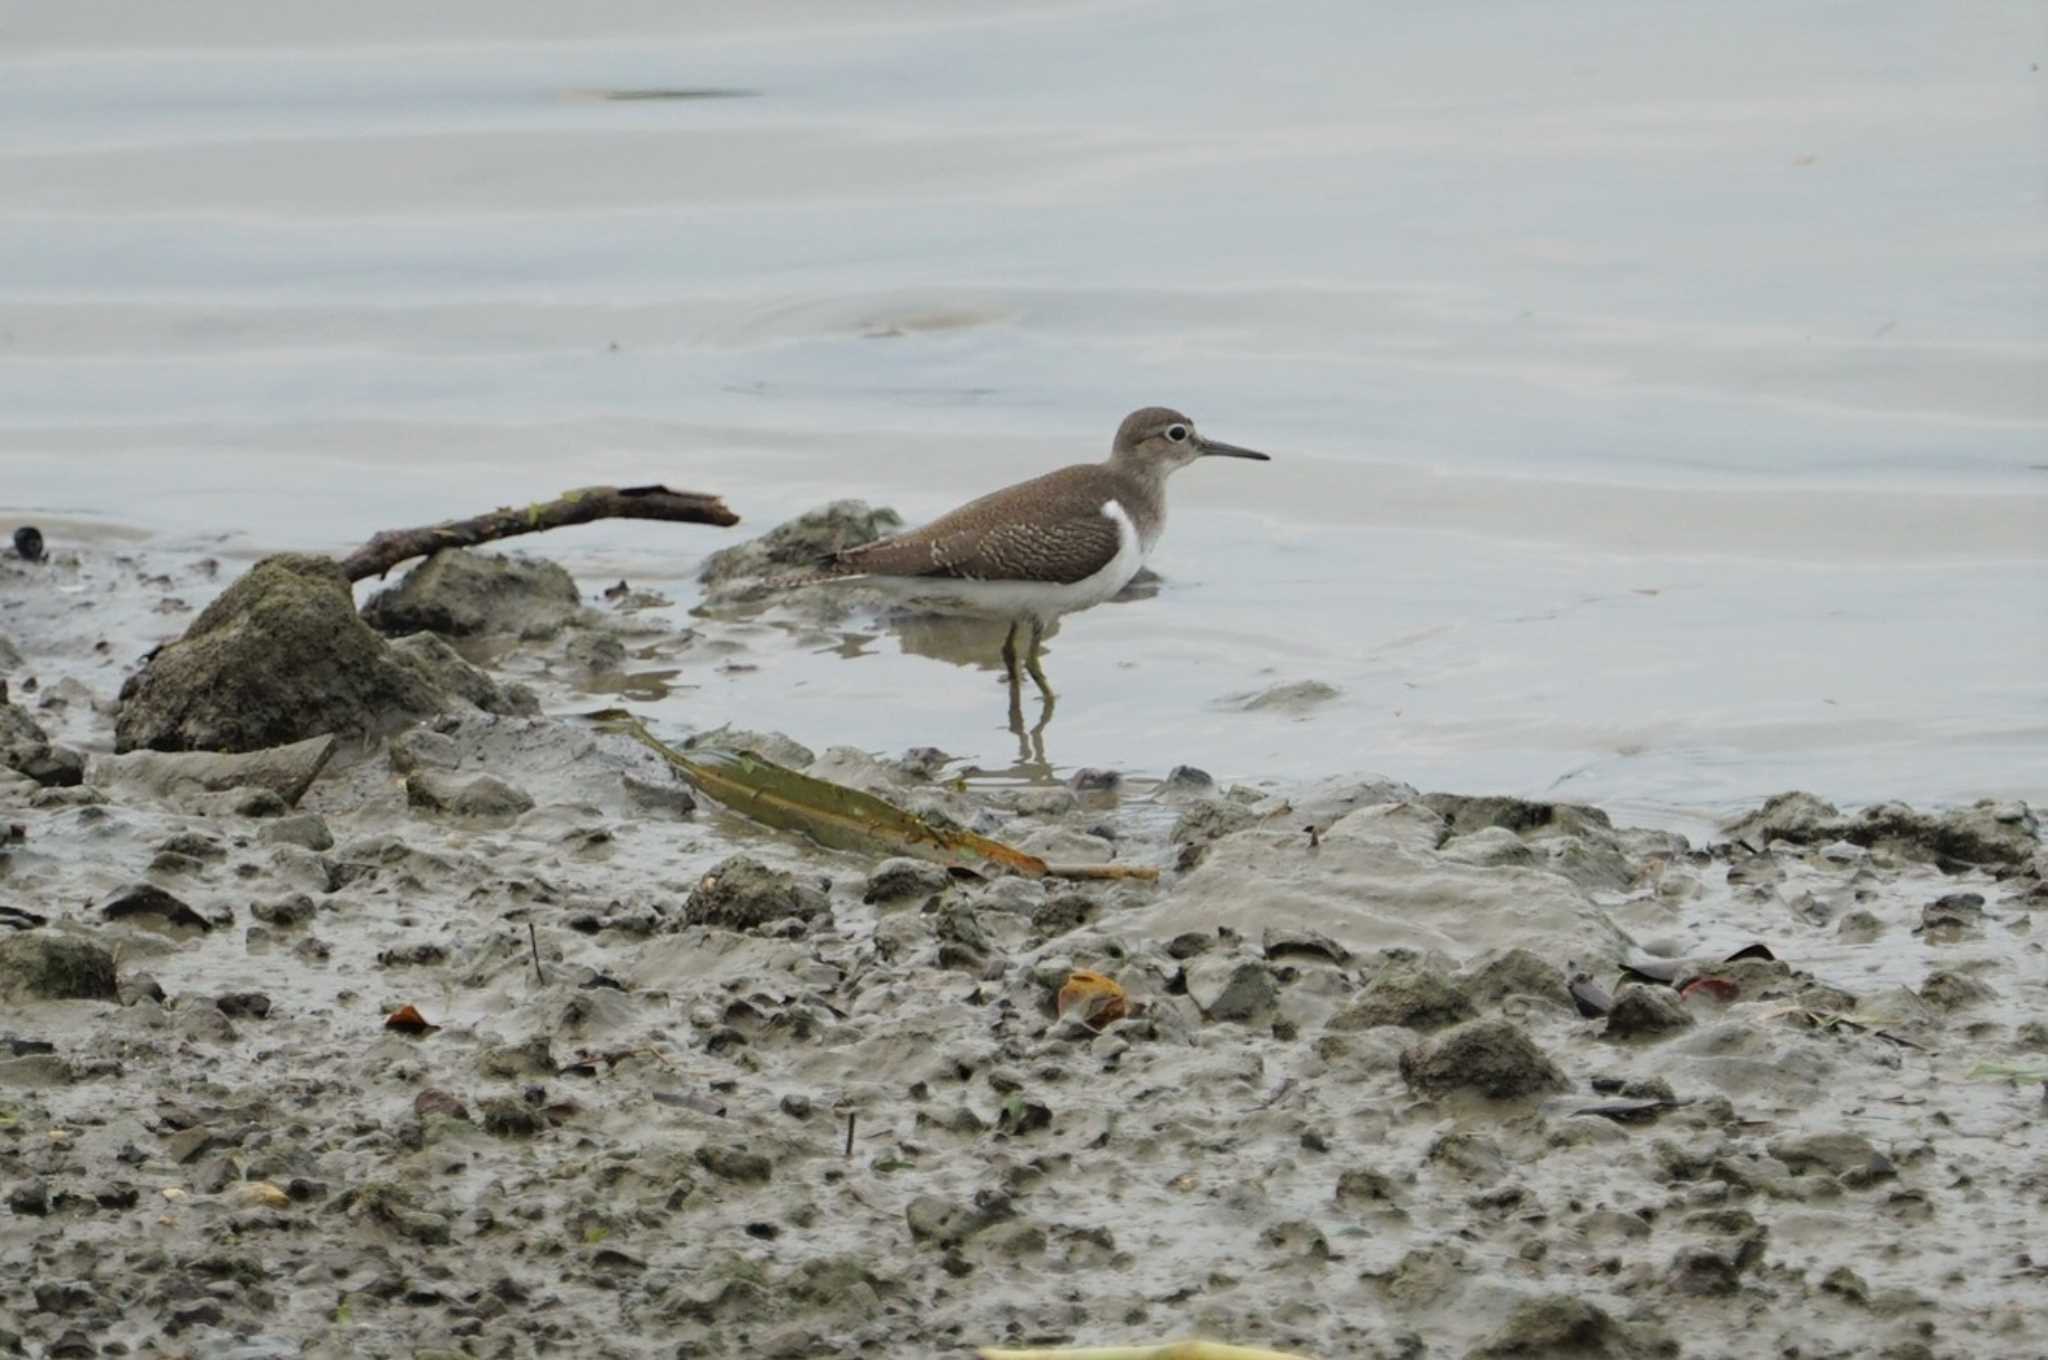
(408, 1020)
(1093, 999)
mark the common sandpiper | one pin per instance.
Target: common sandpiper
(1050, 546)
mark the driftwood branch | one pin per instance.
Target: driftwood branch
(393, 546)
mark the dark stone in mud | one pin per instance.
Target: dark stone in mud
(1515, 972)
(1954, 991)
(1954, 911)
(945, 1223)
(146, 899)
(31, 1200)
(741, 893)
(1091, 780)
(279, 657)
(747, 571)
(1703, 1272)
(903, 877)
(295, 910)
(1361, 1187)
(508, 1117)
(1232, 990)
(1642, 1012)
(460, 593)
(1557, 1327)
(43, 965)
(1491, 1058)
(735, 1164)
(484, 796)
(243, 1005)
(1408, 993)
(1069, 911)
(25, 748)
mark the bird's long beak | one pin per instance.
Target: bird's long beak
(1216, 448)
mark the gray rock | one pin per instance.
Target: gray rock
(306, 829)
(1646, 1012)
(1232, 989)
(1408, 993)
(1492, 1058)
(279, 657)
(1797, 817)
(148, 901)
(750, 571)
(173, 777)
(26, 749)
(483, 797)
(741, 893)
(44, 965)
(1185, 781)
(421, 748)
(1515, 972)
(296, 910)
(1859, 927)
(443, 668)
(903, 876)
(459, 592)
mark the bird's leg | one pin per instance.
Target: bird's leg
(1010, 656)
(1031, 662)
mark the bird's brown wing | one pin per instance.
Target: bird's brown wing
(1051, 529)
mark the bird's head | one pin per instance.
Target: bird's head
(1158, 439)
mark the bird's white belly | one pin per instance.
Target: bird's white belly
(1027, 599)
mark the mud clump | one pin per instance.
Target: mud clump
(443, 668)
(1998, 835)
(25, 748)
(1408, 993)
(461, 593)
(42, 965)
(1558, 1327)
(1491, 1058)
(484, 797)
(1642, 1012)
(279, 657)
(748, 571)
(742, 893)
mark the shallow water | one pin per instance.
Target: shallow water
(1657, 404)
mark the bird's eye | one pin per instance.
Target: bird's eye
(1177, 433)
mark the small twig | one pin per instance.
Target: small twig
(1147, 872)
(849, 1133)
(533, 938)
(388, 549)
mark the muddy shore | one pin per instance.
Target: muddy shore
(1403, 1073)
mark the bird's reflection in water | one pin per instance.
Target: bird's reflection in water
(975, 643)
